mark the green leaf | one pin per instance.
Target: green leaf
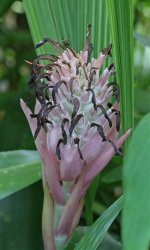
(68, 20)
(76, 237)
(142, 101)
(19, 135)
(136, 213)
(109, 243)
(98, 230)
(121, 24)
(5, 5)
(113, 175)
(18, 169)
(20, 219)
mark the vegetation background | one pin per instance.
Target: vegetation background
(20, 213)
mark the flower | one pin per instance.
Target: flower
(74, 124)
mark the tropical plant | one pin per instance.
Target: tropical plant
(66, 22)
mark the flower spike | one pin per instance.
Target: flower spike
(75, 126)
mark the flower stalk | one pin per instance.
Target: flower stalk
(48, 220)
(75, 126)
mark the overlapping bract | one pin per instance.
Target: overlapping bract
(74, 124)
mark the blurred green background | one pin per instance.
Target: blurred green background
(20, 214)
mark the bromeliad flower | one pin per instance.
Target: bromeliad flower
(75, 128)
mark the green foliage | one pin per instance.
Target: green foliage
(142, 100)
(5, 5)
(76, 237)
(18, 169)
(97, 231)
(107, 243)
(20, 219)
(20, 213)
(115, 174)
(142, 39)
(69, 22)
(121, 24)
(136, 213)
(14, 130)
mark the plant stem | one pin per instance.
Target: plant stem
(48, 220)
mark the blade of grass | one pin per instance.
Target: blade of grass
(121, 24)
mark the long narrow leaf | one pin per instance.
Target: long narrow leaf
(121, 24)
(98, 230)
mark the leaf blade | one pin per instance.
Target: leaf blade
(18, 169)
(121, 24)
(98, 230)
(136, 189)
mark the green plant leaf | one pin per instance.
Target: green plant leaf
(5, 5)
(121, 24)
(136, 212)
(68, 20)
(113, 175)
(142, 101)
(76, 237)
(107, 243)
(20, 219)
(18, 169)
(98, 230)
